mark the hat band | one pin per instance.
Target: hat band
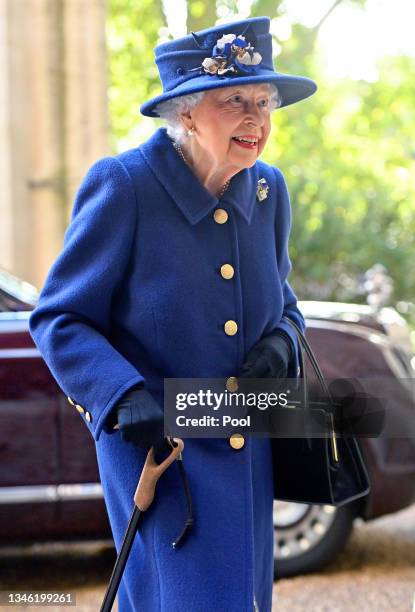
(200, 73)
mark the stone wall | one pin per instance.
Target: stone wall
(53, 122)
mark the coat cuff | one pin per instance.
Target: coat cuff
(96, 419)
(111, 418)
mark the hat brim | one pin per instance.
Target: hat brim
(291, 88)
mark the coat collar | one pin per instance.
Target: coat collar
(183, 186)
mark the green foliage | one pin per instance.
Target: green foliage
(201, 15)
(348, 156)
(132, 33)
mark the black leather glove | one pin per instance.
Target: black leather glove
(269, 357)
(140, 418)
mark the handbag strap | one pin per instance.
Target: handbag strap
(303, 344)
(303, 375)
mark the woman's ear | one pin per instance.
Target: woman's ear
(186, 119)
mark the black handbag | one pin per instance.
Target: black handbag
(324, 470)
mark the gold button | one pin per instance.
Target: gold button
(227, 271)
(79, 409)
(220, 215)
(237, 441)
(232, 383)
(88, 417)
(71, 401)
(231, 327)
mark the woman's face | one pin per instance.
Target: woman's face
(226, 115)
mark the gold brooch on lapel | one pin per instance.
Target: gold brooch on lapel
(262, 189)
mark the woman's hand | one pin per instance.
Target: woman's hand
(140, 418)
(269, 358)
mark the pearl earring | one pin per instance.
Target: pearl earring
(191, 131)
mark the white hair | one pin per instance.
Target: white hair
(170, 110)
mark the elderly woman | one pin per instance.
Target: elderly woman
(175, 265)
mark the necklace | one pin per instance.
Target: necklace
(180, 152)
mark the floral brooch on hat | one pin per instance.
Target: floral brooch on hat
(232, 55)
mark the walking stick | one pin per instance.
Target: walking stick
(143, 498)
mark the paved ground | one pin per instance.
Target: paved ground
(376, 573)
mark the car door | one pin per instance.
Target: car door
(29, 452)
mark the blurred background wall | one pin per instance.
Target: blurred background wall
(54, 122)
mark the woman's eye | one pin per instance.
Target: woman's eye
(238, 99)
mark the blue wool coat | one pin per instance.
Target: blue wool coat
(137, 295)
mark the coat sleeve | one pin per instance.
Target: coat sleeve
(291, 310)
(71, 322)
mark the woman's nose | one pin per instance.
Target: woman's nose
(253, 114)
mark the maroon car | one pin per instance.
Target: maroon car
(49, 480)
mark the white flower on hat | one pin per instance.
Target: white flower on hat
(232, 55)
(226, 38)
(210, 65)
(250, 61)
(214, 65)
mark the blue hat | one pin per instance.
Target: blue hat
(237, 53)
